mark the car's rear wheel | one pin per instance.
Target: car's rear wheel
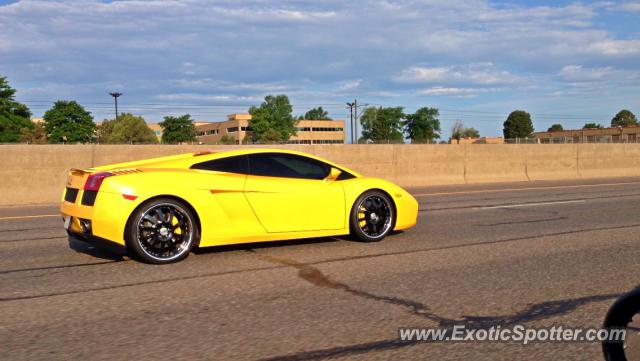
(372, 216)
(162, 231)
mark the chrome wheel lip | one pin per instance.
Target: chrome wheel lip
(632, 330)
(182, 247)
(387, 221)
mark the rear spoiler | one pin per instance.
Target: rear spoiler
(78, 171)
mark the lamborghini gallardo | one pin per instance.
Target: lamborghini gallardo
(159, 209)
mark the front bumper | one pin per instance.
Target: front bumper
(407, 211)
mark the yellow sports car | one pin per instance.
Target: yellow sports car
(161, 208)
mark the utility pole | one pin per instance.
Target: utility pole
(115, 96)
(355, 120)
(351, 107)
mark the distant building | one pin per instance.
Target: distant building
(483, 140)
(157, 130)
(38, 120)
(237, 127)
(628, 134)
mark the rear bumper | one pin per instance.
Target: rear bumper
(106, 219)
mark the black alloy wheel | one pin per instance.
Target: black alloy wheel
(372, 216)
(162, 231)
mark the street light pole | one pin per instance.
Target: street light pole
(351, 105)
(115, 96)
(355, 120)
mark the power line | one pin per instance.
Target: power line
(336, 106)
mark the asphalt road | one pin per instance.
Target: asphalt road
(537, 254)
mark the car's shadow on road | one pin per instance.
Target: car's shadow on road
(98, 251)
(270, 244)
(110, 252)
(282, 244)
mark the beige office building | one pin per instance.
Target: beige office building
(237, 127)
(630, 134)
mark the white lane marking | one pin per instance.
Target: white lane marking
(531, 204)
(25, 217)
(522, 189)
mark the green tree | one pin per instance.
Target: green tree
(423, 125)
(104, 130)
(227, 139)
(271, 136)
(14, 116)
(69, 122)
(471, 133)
(178, 129)
(592, 126)
(518, 125)
(459, 131)
(35, 135)
(624, 118)
(555, 128)
(128, 128)
(273, 114)
(382, 125)
(317, 114)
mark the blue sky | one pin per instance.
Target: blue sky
(564, 62)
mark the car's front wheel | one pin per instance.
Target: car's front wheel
(372, 216)
(162, 231)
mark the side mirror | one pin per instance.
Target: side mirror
(333, 174)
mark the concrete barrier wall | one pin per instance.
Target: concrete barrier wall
(551, 161)
(31, 174)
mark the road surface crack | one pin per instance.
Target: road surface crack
(314, 276)
(531, 312)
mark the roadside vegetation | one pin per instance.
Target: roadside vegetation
(126, 129)
(69, 122)
(14, 116)
(178, 129)
(460, 131)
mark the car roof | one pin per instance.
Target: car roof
(230, 153)
(186, 160)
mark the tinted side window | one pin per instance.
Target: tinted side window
(287, 165)
(238, 164)
(345, 175)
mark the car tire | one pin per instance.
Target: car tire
(620, 315)
(372, 217)
(163, 230)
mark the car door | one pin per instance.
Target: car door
(289, 193)
(225, 210)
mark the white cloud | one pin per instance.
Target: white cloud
(485, 74)
(616, 47)
(206, 97)
(213, 85)
(422, 74)
(350, 85)
(629, 6)
(577, 73)
(455, 92)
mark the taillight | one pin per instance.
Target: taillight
(94, 181)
